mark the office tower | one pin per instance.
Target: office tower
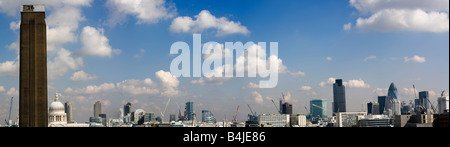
(339, 97)
(189, 110)
(443, 104)
(127, 109)
(286, 108)
(68, 110)
(33, 110)
(370, 108)
(318, 108)
(424, 101)
(392, 92)
(375, 108)
(382, 103)
(97, 109)
(392, 104)
(208, 117)
(171, 117)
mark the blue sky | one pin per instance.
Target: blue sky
(316, 44)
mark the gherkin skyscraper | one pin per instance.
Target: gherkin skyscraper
(392, 92)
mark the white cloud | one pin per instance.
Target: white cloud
(81, 76)
(2, 89)
(329, 58)
(251, 85)
(11, 7)
(305, 88)
(416, 59)
(403, 15)
(380, 91)
(9, 68)
(406, 20)
(366, 6)
(167, 87)
(137, 87)
(258, 99)
(169, 83)
(297, 74)
(348, 26)
(95, 43)
(357, 84)
(12, 92)
(329, 82)
(204, 21)
(63, 61)
(145, 11)
(350, 84)
(370, 58)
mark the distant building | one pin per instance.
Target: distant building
(189, 110)
(127, 109)
(339, 104)
(424, 101)
(139, 116)
(172, 117)
(149, 117)
(348, 119)
(382, 104)
(57, 117)
(68, 111)
(286, 108)
(274, 120)
(375, 121)
(373, 108)
(208, 117)
(97, 109)
(443, 104)
(298, 120)
(318, 108)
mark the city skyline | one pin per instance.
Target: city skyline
(117, 52)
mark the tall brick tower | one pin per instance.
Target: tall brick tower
(33, 67)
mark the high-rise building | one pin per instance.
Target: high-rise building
(339, 97)
(33, 110)
(127, 109)
(318, 108)
(382, 103)
(286, 108)
(208, 117)
(97, 109)
(443, 104)
(68, 110)
(392, 92)
(424, 101)
(189, 110)
(392, 104)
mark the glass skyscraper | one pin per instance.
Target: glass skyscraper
(339, 97)
(318, 108)
(189, 110)
(208, 117)
(392, 92)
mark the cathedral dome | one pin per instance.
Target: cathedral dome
(56, 107)
(57, 116)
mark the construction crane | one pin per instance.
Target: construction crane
(253, 113)
(9, 116)
(428, 100)
(278, 110)
(165, 108)
(235, 115)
